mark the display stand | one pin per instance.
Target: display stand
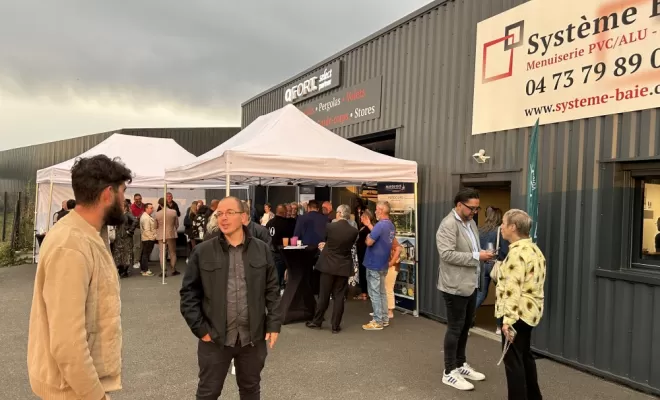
(402, 198)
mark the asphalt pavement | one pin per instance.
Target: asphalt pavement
(404, 361)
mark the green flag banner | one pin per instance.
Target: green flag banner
(532, 186)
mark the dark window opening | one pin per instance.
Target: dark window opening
(381, 142)
(646, 222)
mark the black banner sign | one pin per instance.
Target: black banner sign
(348, 106)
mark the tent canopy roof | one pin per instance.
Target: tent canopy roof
(287, 147)
(146, 157)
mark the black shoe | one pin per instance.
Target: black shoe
(175, 273)
(336, 330)
(161, 275)
(312, 325)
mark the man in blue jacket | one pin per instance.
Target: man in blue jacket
(311, 227)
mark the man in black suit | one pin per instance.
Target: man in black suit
(336, 266)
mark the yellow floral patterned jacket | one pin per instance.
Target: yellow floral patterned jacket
(520, 284)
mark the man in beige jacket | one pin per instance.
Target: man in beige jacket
(75, 339)
(167, 225)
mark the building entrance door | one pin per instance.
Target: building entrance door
(496, 195)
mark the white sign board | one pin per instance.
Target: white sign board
(562, 60)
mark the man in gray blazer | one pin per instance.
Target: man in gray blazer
(457, 240)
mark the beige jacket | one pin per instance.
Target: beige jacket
(171, 222)
(148, 227)
(75, 337)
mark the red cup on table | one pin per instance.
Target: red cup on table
(294, 241)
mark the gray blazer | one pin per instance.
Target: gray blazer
(458, 270)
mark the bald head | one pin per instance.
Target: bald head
(281, 210)
(327, 207)
(231, 201)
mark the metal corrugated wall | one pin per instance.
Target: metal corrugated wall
(610, 327)
(21, 164)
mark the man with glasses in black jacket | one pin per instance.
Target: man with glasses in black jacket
(230, 298)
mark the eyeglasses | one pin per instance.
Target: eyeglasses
(473, 209)
(229, 213)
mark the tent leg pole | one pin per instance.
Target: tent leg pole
(163, 259)
(50, 205)
(34, 240)
(416, 312)
(227, 186)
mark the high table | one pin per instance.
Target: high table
(298, 303)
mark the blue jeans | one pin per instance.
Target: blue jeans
(485, 284)
(376, 288)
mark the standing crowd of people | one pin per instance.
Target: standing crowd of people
(140, 230)
(231, 289)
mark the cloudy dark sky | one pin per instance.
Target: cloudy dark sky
(71, 68)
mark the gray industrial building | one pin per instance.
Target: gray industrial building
(19, 166)
(414, 84)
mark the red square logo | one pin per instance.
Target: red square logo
(504, 72)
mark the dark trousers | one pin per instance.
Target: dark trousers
(460, 312)
(147, 248)
(337, 286)
(280, 266)
(364, 288)
(521, 379)
(214, 361)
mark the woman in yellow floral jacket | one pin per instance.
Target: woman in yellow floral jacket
(520, 304)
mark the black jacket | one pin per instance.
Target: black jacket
(174, 207)
(203, 291)
(336, 257)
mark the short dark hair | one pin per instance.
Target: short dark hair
(465, 194)
(146, 205)
(70, 204)
(91, 176)
(136, 195)
(268, 205)
(313, 204)
(161, 202)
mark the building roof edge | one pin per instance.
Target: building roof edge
(432, 5)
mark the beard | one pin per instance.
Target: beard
(114, 215)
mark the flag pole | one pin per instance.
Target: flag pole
(532, 182)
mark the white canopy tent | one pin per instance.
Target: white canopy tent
(146, 157)
(287, 147)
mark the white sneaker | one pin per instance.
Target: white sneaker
(186, 261)
(455, 380)
(498, 331)
(136, 266)
(469, 373)
(371, 314)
